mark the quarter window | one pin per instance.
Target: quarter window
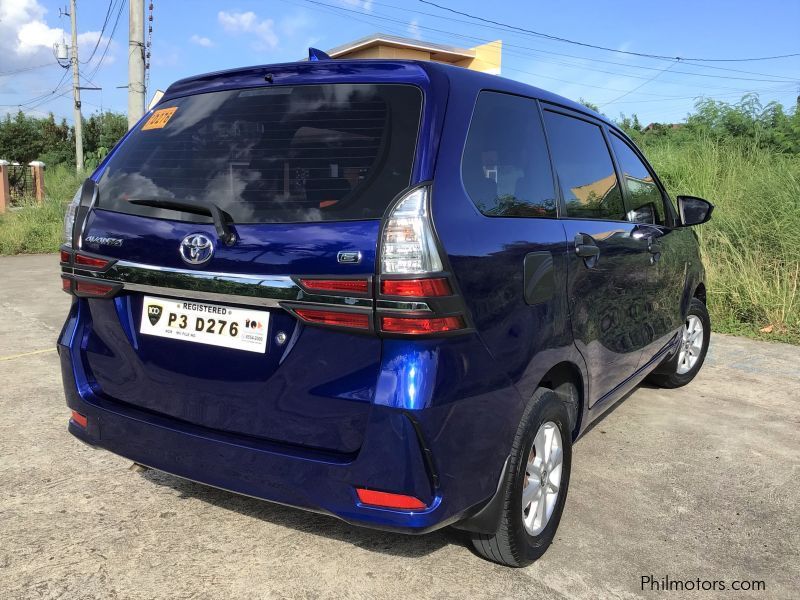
(644, 198)
(584, 168)
(505, 168)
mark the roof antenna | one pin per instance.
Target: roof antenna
(314, 54)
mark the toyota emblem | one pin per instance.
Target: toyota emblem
(196, 249)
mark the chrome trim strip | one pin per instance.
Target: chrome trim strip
(403, 305)
(204, 274)
(256, 290)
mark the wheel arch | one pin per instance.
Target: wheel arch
(700, 292)
(567, 380)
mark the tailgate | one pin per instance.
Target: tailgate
(293, 383)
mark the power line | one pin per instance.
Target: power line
(24, 69)
(597, 47)
(777, 91)
(40, 96)
(108, 43)
(64, 92)
(738, 92)
(102, 31)
(449, 19)
(508, 45)
(337, 10)
(641, 85)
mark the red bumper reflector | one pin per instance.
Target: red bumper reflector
(64, 256)
(90, 261)
(66, 285)
(438, 286)
(79, 419)
(387, 500)
(421, 325)
(88, 288)
(330, 317)
(360, 286)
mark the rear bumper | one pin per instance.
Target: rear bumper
(450, 456)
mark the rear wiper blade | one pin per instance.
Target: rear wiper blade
(222, 220)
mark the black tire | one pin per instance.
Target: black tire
(666, 375)
(511, 544)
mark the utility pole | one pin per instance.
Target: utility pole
(76, 90)
(136, 89)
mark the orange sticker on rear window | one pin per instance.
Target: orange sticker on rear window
(159, 118)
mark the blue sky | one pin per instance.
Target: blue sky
(200, 36)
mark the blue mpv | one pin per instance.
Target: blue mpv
(395, 292)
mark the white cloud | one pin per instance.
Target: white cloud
(27, 40)
(365, 5)
(413, 29)
(86, 44)
(35, 35)
(248, 22)
(201, 41)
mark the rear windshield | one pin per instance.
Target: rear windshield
(271, 155)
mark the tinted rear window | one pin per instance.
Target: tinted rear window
(270, 155)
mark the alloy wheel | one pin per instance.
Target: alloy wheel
(542, 478)
(691, 344)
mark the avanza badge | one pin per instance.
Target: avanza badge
(159, 118)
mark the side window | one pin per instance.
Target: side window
(584, 168)
(645, 199)
(505, 168)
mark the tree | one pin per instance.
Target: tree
(589, 104)
(20, 138)
(24, 138)
(57, 141)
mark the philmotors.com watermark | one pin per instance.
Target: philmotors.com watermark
(651, 583)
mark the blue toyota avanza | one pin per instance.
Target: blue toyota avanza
(395, 292)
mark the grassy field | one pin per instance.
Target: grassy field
(750, 246)
(32, 228)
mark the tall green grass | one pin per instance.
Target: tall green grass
(29, 228)
(750, 246)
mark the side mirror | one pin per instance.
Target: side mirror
(693, 210)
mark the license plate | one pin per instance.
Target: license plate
(203, 323)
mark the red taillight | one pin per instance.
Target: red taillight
(387, 500)
(421, 325)
(66, 285)
(360, 286)
(79, 419)
(90, 261)
(438, 286)
(331, 317)
(65, 256)
(89, 288)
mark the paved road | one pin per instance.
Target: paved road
(701, 482)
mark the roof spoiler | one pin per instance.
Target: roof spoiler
(315, 54)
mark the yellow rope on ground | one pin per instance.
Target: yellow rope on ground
(13, 356)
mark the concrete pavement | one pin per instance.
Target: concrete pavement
(701, 482)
